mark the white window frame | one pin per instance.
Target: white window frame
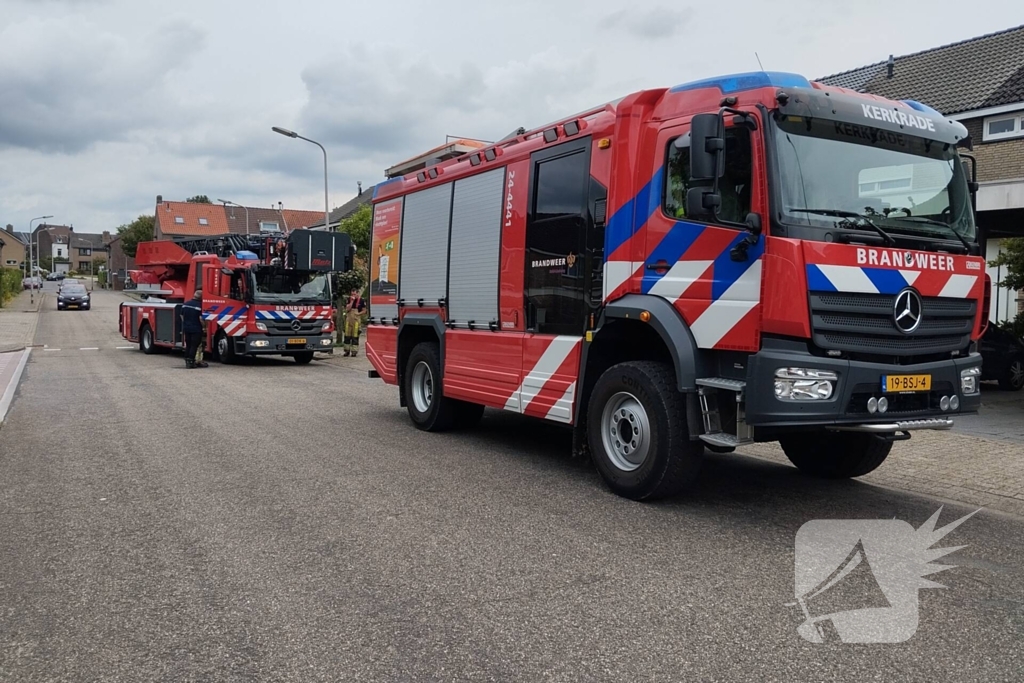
(1018, 127)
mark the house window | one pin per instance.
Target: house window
(84, 265)
(11, 262)
(179, 220)
(267, 226)
(60, 253)
(203, 221)
(1003, 127)
(85, 252)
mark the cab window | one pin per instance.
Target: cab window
(734, 185)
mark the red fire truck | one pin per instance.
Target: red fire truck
(261, 295)
(747, 258)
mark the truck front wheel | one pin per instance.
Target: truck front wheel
(835, 455)
(224, 348)
(429, 409)
(636, 426)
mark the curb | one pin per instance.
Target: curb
(12, 386)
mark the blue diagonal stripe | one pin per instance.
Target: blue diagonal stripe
(887, 281)
(817, 282)
(726, 271)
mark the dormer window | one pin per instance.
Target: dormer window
(268, 226)
(203, 221)
(179, 220)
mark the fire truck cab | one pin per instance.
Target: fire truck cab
(262, 295)
(748, 258)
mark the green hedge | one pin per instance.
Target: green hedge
(10, 283)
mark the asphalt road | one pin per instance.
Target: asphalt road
(278, 522)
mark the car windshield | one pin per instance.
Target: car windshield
(277, 285)
(73, 290)
(70, 283)
(830, 170)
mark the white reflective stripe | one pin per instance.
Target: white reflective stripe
(678, 279)
(958, 286)
(722, 315)
(848, 278)
(910, 276)
(562, 410)
(554, 355)
(616, 273)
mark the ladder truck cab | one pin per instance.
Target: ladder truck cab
(266, 294)
(747, 258)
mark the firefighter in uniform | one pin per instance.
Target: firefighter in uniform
(353, 316)
(192, 328)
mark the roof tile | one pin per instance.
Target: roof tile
(190, 214)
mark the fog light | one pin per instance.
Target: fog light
(803, 384)
(954, 403)
(969, 380)
(944, 403)
(883, 404)
(260, 343)
(325, 342)
(872, 404)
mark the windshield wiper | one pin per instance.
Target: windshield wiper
(863, 220)
(932, 221)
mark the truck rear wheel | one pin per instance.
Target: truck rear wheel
(429, 409)
(636, 426)
(835, 455)
(146, 339)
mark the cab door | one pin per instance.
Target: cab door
(694, 263)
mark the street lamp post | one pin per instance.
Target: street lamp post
(227, 203)
(32, 270)
(292, 134)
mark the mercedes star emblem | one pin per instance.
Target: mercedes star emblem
(906, 311)
(297, 325)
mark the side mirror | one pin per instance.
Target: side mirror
(707, 147)
(702, 202)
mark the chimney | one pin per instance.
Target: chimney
(890, 67)
(159, 199)
(280, 206)
(9, 228)
(359, 185)
(106, 236)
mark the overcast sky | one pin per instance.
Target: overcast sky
(106, 103)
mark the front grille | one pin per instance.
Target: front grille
(284, 327)
(863, 323)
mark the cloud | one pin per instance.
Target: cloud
(68, 85)
(654, 23)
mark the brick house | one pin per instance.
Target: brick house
(979, 82)
(75, 250)
(15, 248)
(182, 219)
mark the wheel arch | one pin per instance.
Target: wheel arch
(414, 329)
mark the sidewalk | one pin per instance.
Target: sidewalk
(18, 321)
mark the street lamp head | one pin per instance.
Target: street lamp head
(285, 132)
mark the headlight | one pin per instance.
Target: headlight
(969, 380)
(260, 343)
(327, 326)
(804, 384)
(262, 327)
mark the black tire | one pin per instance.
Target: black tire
(304, 357)
(1013, 378)
(835, 455)
(146, 339)
(223, 348)
(429, 409)
(664, 459)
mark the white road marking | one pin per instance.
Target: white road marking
(8, 395)
(49, 349)
(121, 348)
(89, 348)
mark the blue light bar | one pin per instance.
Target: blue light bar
(748, 81)
(923, 108)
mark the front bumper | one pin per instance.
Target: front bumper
(83, 305)
(262, 344)
(857, 382)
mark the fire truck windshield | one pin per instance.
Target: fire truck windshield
(282, 286)
(901, 183)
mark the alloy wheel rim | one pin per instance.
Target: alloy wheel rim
(625, 431)
(222, 346)
(1017, 373)
(422, 387)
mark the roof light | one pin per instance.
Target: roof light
(474, 160)
(571, 128)
(433, 173)
(490, 154)
(421, 176)
(550, 135)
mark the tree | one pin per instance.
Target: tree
(141, 229)
(97, 261)
(1011, 258)
(358, 226)
(199, 199)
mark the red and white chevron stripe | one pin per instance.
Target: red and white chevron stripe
(548, 389)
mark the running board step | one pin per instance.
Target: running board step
(722, 440)
(722, 383)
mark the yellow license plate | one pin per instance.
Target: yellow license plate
(901, 383)
(296, 341)
(72, 305)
